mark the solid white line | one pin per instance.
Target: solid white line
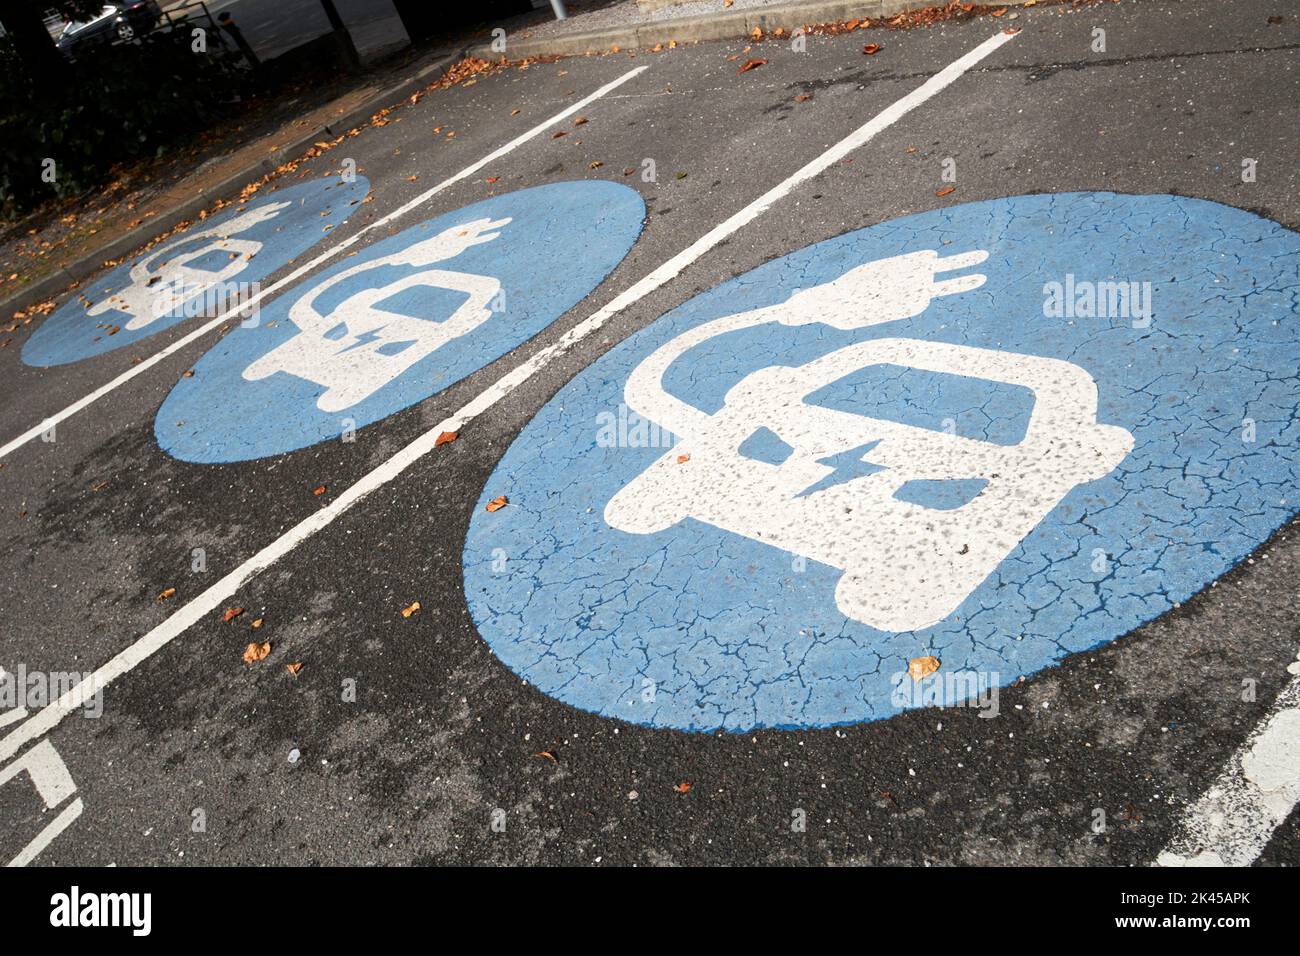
(302, 270)
(1258, 788)
(47, 836)
(45, 720)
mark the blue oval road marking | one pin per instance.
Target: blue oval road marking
(201, 271)
(402, 321)
(995, 434)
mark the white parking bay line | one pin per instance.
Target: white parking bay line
(302, 270)
(1258, 788)
(43, 721)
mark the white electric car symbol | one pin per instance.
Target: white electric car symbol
(357, 347)
(833, 496)
(157, 292)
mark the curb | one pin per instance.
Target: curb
(711, 26)
(70, 274)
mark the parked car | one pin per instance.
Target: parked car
(115, 21)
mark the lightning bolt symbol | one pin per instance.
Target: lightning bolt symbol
(363, 339)
(848, 465)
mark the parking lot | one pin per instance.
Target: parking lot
(673, 605)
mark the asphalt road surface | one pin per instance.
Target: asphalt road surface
(703, 669)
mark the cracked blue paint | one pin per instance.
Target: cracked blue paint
(71, 333)
(545, 260)
(698, 629)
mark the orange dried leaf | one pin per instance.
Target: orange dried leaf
(497, 503)
(919, 667)
(411, 609)
(257, 624)
(231, 614)
(166, 593)
(683, 787)
(255, 652)
(751, 65)
(683, 459)
(446, 438)
(293, 669)
(319, 490)
(871, 49)
(946, 190)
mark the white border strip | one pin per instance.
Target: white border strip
(302, 270)
(45, 720)
(1258, 788)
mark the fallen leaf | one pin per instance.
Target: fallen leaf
(803, 97)
(188, 373)
(255, 652)
(657, 48)
(919, 667)
(411, 179)
(408, 611)
(595, 164)
(756, 33)
(871, 49)
(319, 490)
(231, 614)
(445, 438)
(751, 65)
(166, 593)
(727, 3)
(257, 624)
(497, 503)
(562, 132)
(679, 176)
(946, 190)
(683, 787)
(629, 170)
(911, 149)
(293, 669)
(514, 112)
(491, 179)
(578, 121)
(683, 459)
(1001, 11)
(547, 754)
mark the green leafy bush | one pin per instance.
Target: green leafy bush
(118, 102)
